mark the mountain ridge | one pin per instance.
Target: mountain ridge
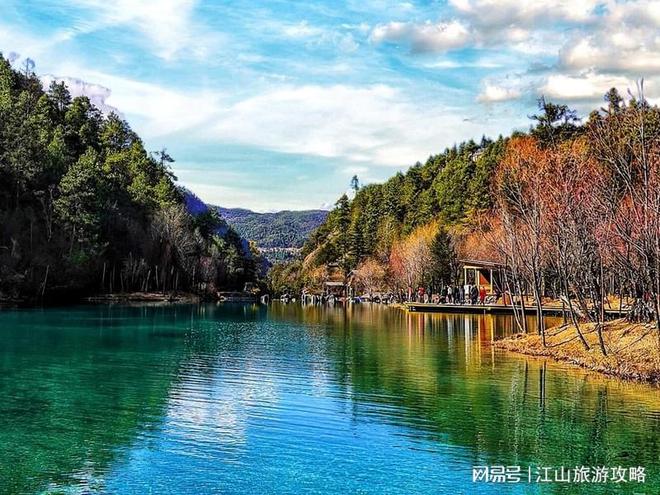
(274, 233)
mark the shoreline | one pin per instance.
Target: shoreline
(633, 349)
(110, 298)
(128, 297)
(143, 297)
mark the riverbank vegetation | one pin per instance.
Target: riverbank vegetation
(84, 208)
(632, 350)
(570, 208)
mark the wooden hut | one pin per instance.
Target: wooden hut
(488, 274)
(334, 288)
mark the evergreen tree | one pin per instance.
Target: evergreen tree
(79, 194)
(555, 123)
(355, 183)
(443, 259)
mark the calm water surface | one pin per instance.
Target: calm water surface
(286, 399)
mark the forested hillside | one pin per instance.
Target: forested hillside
(282, 229)
(84, 208)
(571, 208)
(448, 187)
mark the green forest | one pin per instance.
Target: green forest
(280, 235)
(85, 208)
(282, 229)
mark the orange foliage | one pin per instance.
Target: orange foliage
(370, 275)
(410, 257)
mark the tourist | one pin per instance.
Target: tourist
(450, 294)
(482, 295)
(474, 294)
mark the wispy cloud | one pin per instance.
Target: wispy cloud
(170, 26)
(362, 86)
(301, 29)
(379, 124)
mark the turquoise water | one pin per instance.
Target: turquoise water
(284, 399)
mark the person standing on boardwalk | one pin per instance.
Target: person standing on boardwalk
(450, 294)
(474, 294)
(482, 295)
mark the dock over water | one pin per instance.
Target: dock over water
(503, 309)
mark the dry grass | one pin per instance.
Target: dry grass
(633, 350)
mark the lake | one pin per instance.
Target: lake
(289, 399)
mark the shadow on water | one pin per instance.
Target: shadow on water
(188, 399)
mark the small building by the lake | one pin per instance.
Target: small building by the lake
(488, 274)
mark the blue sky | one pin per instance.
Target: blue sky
(275, 105)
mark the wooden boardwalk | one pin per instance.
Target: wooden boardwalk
(488, 309)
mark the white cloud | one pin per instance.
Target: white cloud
(347, 43)
(376, 125)
(301, 30)
(13, 40)
(589, 86)
(453, 64)
(625, 39)
(365, 126)
(486, 23)
(153, 110)
(493, 93)
(96, 93)
(524, 13)
(596, 44)
(334, 121)
(616, 49)
(164, 111)
(426, 37)
(316, 35)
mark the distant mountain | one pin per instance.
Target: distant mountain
(196, 207)
(278, 234)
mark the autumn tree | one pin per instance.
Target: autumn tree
(625, 141)
(411, 257)
(520, 185)
(370, 275)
